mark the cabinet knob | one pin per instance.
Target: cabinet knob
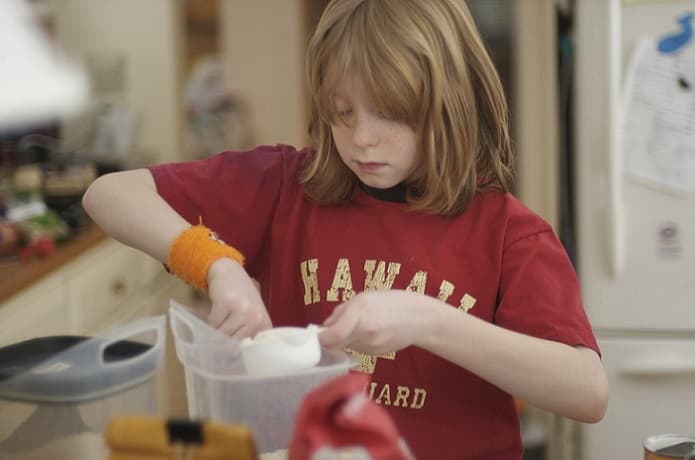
(118, 287)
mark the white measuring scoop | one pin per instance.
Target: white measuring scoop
(281, 350)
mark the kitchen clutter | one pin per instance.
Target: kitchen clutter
(277, 395)
(41, 189)
(338, 420)
(58, 393)
(217, 119)
(220, 387)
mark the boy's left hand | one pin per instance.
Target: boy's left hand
(376, 322)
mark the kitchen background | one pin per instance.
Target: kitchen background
(173, 80)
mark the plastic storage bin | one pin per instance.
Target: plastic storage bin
(58, 393)
(218, 387)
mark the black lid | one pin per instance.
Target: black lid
(68, 369)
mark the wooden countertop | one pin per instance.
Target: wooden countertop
(15, 276)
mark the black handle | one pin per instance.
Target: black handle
(185, 432)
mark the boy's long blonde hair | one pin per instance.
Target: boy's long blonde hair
(424, 63)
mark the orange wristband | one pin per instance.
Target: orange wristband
(194, 250)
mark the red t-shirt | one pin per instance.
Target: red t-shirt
(497, 261)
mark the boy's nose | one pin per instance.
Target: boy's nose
(364, 133)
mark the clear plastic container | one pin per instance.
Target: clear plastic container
(58, 393)
(219, 388)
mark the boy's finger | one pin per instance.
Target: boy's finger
(245, 331)
(232, 325)
(339, 333)
(337, 312)
(217, 317)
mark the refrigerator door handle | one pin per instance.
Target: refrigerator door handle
(658, 365)
(615, 161)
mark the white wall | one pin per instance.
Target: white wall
(148, 34)
(536, 113)
(263, 50)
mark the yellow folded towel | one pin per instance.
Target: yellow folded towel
(154, 438)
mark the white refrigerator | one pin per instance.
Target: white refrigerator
(635, 233)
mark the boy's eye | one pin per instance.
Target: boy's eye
(343, 115)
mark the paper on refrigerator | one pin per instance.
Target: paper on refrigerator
(658, 135)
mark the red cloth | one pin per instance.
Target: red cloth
(338, 417)
(498, 258)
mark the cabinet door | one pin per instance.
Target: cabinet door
(35, 313)
(101, 281)
(652, 381)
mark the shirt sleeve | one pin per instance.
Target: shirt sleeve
(233, 193)
(539, 291)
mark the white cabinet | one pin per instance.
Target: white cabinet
(35, 312)
(100, 282)
(81, 297)
(106, 286)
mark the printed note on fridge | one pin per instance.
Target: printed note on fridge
(658, 135)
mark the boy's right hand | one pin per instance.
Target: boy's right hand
(237, 307)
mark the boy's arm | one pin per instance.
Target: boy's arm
(126, 205)
(566, 380)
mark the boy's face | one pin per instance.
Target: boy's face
(380, 151)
